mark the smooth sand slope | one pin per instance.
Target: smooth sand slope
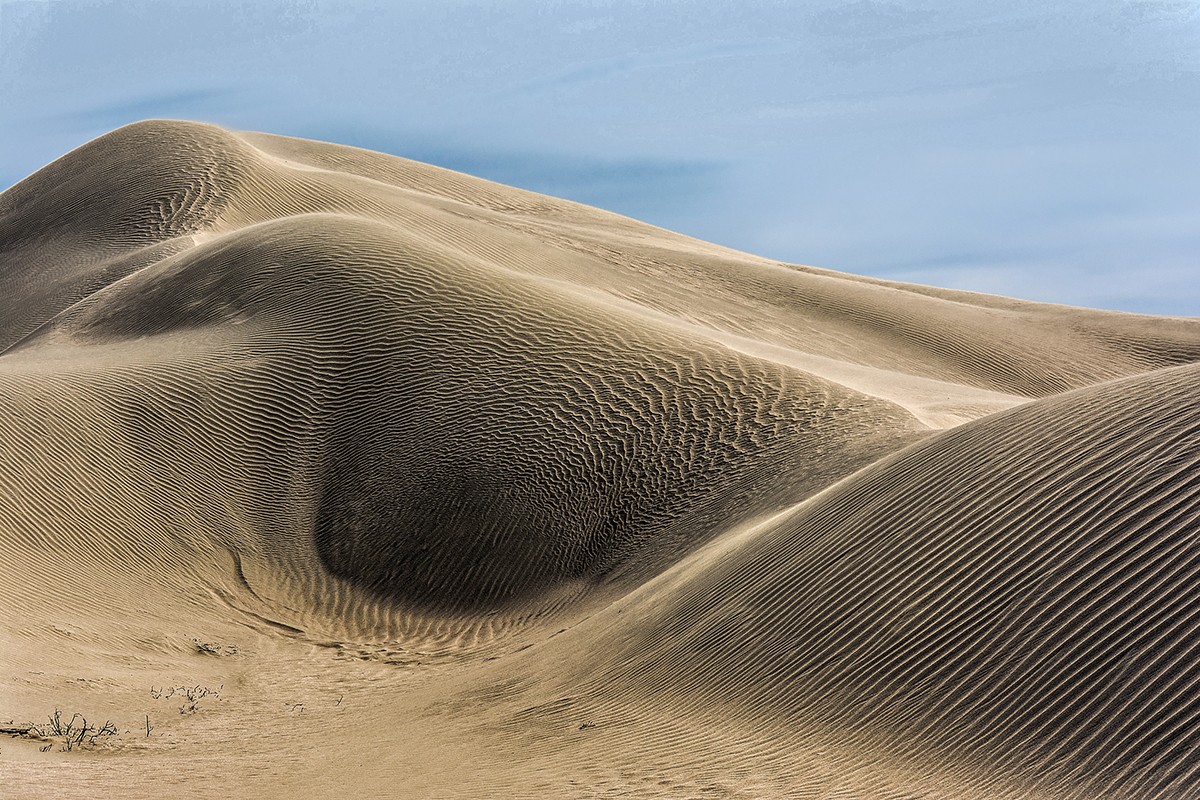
(348, 475)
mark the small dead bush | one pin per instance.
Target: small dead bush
(72, 734)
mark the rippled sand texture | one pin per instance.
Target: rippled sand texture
(444, 488)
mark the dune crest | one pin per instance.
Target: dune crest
(529, 483)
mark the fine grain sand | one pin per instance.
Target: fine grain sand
(328, 473)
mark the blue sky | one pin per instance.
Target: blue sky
(1045, 151)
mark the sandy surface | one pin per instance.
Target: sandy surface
(328, 473)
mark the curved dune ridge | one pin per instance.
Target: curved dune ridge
(519, 496)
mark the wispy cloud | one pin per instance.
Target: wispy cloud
(122, 110)
(624, 65)
(921, 103)
(635, 185)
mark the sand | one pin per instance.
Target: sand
(336, 474)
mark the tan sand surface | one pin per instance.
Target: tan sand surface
(332, 474)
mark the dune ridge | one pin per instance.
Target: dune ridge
(531, 485)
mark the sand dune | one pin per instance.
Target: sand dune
(1025, 609)
(445, 488)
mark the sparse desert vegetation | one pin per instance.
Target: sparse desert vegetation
(215, 648)
(69, 733)
(190, 695)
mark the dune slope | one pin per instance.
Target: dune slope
(1015, 597)
(567, 504)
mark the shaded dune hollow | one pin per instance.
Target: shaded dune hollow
(942, 543)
